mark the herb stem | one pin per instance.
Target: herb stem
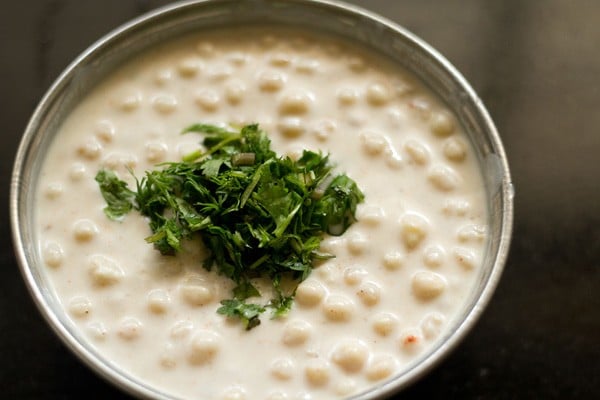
(259, 261)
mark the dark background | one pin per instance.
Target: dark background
(536, 65)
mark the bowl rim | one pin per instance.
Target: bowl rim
(136, 387)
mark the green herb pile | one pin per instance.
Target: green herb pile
(260, 215)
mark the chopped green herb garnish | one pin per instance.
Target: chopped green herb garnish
(260, 215)
(116, 194)
(248, 313)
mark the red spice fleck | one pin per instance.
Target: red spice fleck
(410, 339)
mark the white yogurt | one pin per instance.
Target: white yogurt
(400, 274)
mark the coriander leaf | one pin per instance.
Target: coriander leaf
(256, 141)
(336, 209)
(281, 306)
(167, 237)
(116, 194)
(189, 218)
(248, 313)
(211, 167)
(244, 290)
(281, 203)
(208, 129)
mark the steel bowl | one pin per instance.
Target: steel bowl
(329, 17)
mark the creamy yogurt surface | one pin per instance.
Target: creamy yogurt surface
(400, 275)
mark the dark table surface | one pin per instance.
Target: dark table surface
(536, 65)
